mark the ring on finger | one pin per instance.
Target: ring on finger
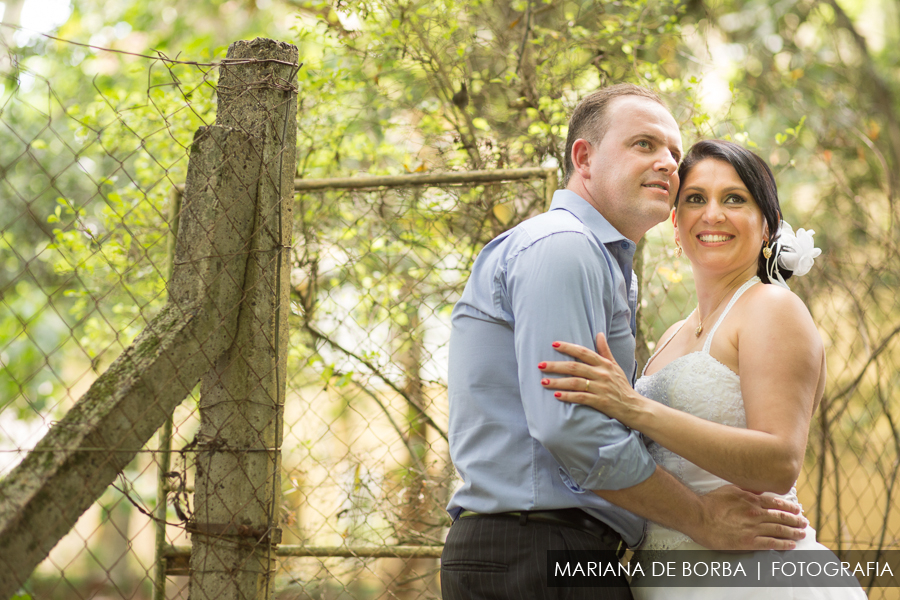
(587, 385)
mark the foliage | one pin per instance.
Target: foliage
(813, 88)
(474, 84)
(382, 93)
(819, 96)
(92, 143)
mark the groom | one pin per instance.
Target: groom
(538, 476)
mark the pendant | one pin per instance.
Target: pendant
(699, 330)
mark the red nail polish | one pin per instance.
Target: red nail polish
(542, 365)
(558, 394)
(555, 344)
(545, 382)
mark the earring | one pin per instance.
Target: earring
(678, 250)
(767, 252)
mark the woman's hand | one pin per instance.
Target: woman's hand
(596, 381)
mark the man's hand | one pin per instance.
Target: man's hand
(734, 519)
(727, 518)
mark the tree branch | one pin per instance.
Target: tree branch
(882, 95)
(393, 423)
(377, 372)
(524, 36)
(851, 387)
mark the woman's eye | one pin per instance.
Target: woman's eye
(694, 198)
(734, 199)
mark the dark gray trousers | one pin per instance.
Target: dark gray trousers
(496, 558)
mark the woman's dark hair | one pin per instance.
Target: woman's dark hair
(758, 178)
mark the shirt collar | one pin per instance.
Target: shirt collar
(570, 201)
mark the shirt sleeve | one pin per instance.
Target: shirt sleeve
(560, 289)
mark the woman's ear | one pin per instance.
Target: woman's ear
(766, 235)
(675, 225)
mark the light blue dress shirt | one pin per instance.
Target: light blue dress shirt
(558, 276)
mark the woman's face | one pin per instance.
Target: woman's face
(717, 221)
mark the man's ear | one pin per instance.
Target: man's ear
(581, 157)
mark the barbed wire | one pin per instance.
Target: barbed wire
(160, 55)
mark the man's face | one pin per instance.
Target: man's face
(633, 175)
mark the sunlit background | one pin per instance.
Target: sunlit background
(95, 129)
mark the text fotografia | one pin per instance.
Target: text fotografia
(689, 568)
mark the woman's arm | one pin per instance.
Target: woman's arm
(781, 362)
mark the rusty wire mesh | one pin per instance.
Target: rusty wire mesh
(86, 192)
(85, 256)
(848, 485)
(366, 463)
(90, 202)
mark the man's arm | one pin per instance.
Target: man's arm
(555, 295)
(728, 518)
(560, 287)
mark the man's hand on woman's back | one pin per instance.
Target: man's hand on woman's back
(736, 519)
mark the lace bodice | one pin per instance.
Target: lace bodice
(698, 384)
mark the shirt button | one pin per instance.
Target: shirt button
(624, 245)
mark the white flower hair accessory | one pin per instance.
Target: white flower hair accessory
(794, 252)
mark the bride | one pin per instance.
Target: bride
(730, 391)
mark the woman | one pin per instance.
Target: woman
(730, 391)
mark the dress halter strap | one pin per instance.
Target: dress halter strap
(663, 345)
(747, 285)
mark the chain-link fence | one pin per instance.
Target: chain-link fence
(110, 326)
(848, 484)
(86, 192)
(312, 460)
(378, 265)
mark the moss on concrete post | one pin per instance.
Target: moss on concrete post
(237, 485)
(43, 497)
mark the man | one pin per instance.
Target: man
(538, 474)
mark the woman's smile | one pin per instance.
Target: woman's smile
(714, 238)
(717, 221)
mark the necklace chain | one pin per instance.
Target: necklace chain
(699, 329)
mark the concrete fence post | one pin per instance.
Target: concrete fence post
(225, 322)
(235, 524)
(81, 455)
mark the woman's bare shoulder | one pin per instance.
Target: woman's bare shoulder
(771, 310)
(774, 298)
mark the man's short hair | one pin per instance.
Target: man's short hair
(589, 119)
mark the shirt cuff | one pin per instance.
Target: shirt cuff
(621, 465)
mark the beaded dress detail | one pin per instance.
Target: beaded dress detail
(698, 384)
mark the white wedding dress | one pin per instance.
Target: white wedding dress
(698, 384)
